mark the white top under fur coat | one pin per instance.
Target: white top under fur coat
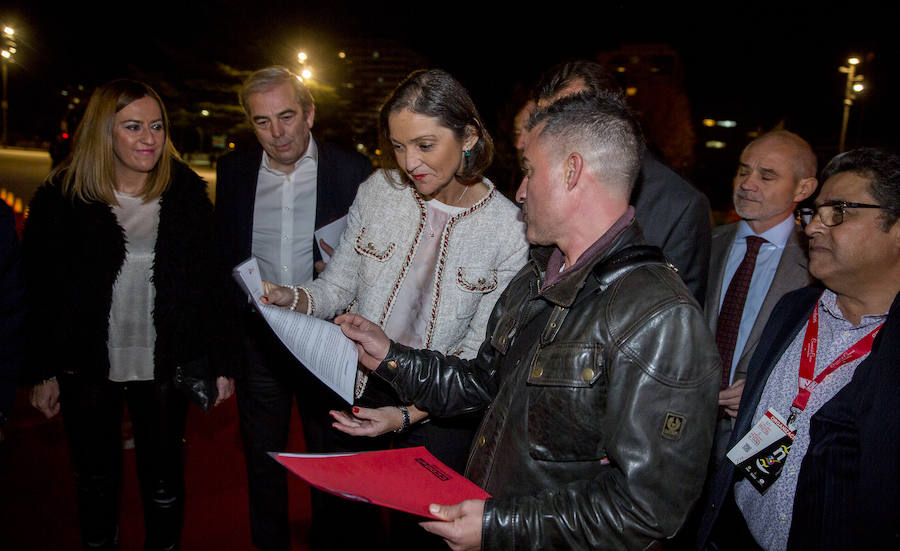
(481, 249)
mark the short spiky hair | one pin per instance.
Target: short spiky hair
(882, 168)
(604, 132)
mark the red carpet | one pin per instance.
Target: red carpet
(37, 490)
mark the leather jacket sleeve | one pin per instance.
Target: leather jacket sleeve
(442, 385)
(660, 410)
(445, 385)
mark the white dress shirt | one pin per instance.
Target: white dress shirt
(284, 219)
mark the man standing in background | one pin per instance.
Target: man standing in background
(757, 260)
(270, 200)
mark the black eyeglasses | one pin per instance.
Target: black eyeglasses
(831, 213)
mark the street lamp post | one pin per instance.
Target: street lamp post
(854, 85)
(7, 52)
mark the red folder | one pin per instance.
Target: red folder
(406, 479)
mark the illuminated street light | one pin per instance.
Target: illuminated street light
(854, 86)
(306, 74)
(302, 57)
(6, 57)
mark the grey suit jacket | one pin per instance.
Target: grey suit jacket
(792, 273)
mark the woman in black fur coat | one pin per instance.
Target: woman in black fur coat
(111, 241)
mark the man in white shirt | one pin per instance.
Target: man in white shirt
(776, 171)
(270, 200)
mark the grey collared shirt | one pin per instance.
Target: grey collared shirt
(769, 516)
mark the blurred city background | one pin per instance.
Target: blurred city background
(704, 78)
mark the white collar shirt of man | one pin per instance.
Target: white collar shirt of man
(284, 219)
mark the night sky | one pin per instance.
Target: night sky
(741, 61)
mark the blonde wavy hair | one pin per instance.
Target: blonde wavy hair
(89, 174)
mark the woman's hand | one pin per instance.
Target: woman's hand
(375, 422)
(45, 397)
(368, 422)
(282, 296)
(225, 386)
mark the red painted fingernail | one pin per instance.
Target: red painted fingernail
(355, 409)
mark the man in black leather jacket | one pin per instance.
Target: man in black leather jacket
(598, 371)
(674, 214)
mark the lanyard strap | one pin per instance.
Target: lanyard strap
(806, 382)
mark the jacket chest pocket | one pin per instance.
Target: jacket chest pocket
(374, 252)
(474, 283)
(566, 400)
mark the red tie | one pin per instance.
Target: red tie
(729, 321)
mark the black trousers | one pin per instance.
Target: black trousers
(92, 416)
(265, 395)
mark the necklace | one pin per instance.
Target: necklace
(458, 199)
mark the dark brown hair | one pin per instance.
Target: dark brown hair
(435, 93)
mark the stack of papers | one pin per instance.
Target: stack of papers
(319, 345)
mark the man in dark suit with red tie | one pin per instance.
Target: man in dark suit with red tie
(755, 261)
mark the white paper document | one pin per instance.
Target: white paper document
(331, 233)
(319, 345)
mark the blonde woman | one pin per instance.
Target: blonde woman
(110, 240)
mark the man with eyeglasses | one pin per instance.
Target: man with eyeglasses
(755, 261)
(825, 383)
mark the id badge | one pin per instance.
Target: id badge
(761, 453)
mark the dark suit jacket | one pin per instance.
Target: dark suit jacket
(12, 309)
(339, 174)
(848, 488)
(791, 273)
(675, 217)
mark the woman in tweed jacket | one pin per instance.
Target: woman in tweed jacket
(429, 246)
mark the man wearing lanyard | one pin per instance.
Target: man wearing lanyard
(825, 372)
